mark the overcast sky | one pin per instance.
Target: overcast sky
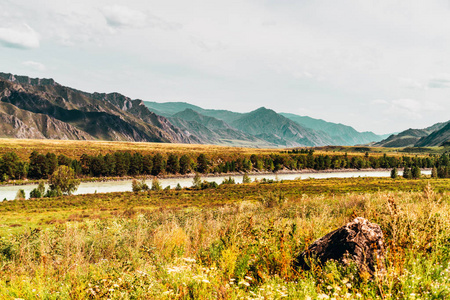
(382, 65)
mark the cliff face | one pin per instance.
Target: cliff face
(41, 108)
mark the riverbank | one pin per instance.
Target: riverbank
(191, 175)
(125, 184)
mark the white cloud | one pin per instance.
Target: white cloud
(122, 16)
(379, 101)
(439, 83)
(23, 37)
(208, 45)
(34, 65)
(408, 108)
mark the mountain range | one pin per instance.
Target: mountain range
(43, 109)
(435, 135)
(275, 128)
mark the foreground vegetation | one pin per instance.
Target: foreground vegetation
(231, 242)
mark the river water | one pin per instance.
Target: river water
(9, 192)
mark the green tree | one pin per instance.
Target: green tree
(52, 162)
(110, 165)
(173, 164)
(158, 164)
(147, 164)
(11, 166)
(76, 166)
(407, 173)
(64, 179)
(415, 172)
(434, 173)
(136, 164)
(97, 166)
(185, 164)
(202, 164)
(64, 160)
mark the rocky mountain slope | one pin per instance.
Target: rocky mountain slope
(434, 135)
(266, 124)
(211, 130)
(332, 133)
(71, 114)
(339, 133)
(436, 138)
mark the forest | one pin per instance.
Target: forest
(127, 163)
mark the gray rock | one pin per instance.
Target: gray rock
(359, 241)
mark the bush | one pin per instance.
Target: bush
(156, 185)
(228, 181)
(394, 173)
(197, 181)
(35, 194)
(209, 185)
(20, 195)
(246, 179)
(139, 186)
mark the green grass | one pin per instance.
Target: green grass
(234, 242)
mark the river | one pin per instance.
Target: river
(9, 192)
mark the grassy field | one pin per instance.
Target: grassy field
(233, 242)
(74, 149)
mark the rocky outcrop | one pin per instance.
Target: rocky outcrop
(56, 111)
(359, 242)
(23, 124)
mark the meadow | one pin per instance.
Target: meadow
(229, 242)
(74, 149)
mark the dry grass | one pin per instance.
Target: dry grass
(74, 149)
(230, 250)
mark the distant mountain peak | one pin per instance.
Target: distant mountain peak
(28, 80)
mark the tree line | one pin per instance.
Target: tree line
(120, 163)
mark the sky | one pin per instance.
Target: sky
(381, 66)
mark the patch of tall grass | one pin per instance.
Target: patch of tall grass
(233, 251)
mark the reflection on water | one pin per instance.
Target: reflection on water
(9, 192)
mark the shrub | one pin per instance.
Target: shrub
(228, 181)
(156, 185)
(197, 181)
(246, 179)
(20, 195)
(35, 194)
(394, 173)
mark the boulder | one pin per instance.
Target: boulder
(359, 241)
